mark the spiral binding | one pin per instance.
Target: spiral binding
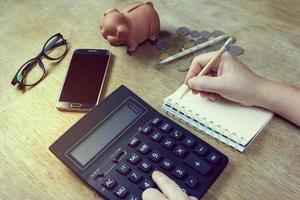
(203, 124)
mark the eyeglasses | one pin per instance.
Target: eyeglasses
(33, 71)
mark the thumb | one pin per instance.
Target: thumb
(205, 83)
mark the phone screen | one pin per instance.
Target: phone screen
(84, 78)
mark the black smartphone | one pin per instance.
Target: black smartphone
(84, 80)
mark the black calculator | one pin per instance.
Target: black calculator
(116, 146)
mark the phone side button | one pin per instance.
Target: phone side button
(75, 105)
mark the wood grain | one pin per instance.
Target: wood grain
(269, 30)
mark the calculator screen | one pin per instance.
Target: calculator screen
(105, 132)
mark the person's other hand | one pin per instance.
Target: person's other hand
(229, 78)
(170, 190)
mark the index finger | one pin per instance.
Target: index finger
(169, 188)
(198, 63)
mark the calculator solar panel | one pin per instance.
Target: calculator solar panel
(115, 148)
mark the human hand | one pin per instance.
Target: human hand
(170, 190)
(228, 78)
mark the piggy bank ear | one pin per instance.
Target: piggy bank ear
(122, 32)
(110, 11)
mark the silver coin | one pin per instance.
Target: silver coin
(183, 31)
(236, 50)
(165, 34)
(195, 34)
(201, 40)
(215, 34)
(162, 44)
(205, 34)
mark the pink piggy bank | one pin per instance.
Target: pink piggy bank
(131, 26)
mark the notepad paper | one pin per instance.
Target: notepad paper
(229, 122)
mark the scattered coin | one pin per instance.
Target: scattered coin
(215, 34)
(183, 66)
(179, 41)
(162, 44)
(201, 40)
(189, 44)
(172, 51)
(163, 56)
(183, 31)
(236, 50)
(165, 34)
(195, 34)
(205, 34)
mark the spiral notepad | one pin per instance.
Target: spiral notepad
(229, 122)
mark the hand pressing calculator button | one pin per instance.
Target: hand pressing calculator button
(125, 140)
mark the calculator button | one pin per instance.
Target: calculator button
(200, 149)
(146, 184)
(117, 156)
(189, 142)
(133, 158)
(178, 172)
(143, 148)
(213, 158)
(165, 127)
(155, 156)
(179, 151)
(197, 164)
(147, 129)
(191, 182)
(134, 142)
(97, 174)
(145, 166)
(168, 143)
(135, 177)
(166, 164)
(109, 183)
(124, 169)
(176, 134)
(121, 192)
(155, 121)
(156, 136)
(133, 197)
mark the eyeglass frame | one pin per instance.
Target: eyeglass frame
(43, 54)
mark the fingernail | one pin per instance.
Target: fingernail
(155, 173)
(191, 82)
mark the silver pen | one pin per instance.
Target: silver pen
(193, 49)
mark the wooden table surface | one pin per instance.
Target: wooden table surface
(269, 30)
